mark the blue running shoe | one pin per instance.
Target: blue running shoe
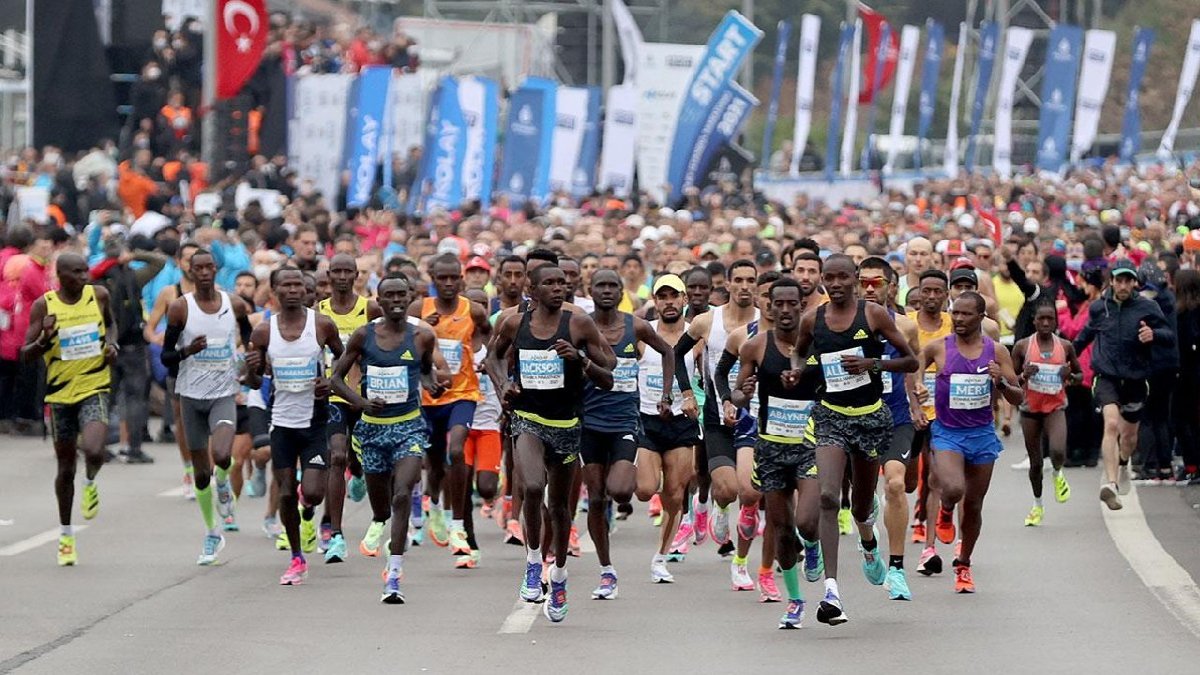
(830, 610)
(814, 561)
(356, 490)
(607, 590)
(873, 566)
(531, 585)
(416, 516)
(213, 544)
(793, 616)
(392, 595)
(897, 585)
(336, 552)
(555, 608)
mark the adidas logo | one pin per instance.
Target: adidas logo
(407, 355)
(629, 349)
(812, 360)
(317, 461)
(860, 335)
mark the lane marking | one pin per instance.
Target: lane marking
(1165, 578)
(520, 619)
(177, 491)
(35, 541)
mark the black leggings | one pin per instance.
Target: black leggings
(1155, 446)
(1083, 425)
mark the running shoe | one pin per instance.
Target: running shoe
(336, 552)
(573, 548)
(607, 590)
(944, 527)
(271, 528)
(369, 546)
(678, 555)
(830, 610)
(740, 578)
(727, 549)
(958, 550)
(747, 526)
(918, 536)
(467, 562)
(296, 572)
(767, 590)
(512, 533)
(213, 544)
(873, 566)
(224, 498)
(624, 510)
(356, 489)
(683, 538)
(963, 583)
(437, 526)
(257, 485)
(416, 536)
(392, 595)
(1035, 516)
(326, 535)
(654, 508)
(659, 573)
(897, 585)
(930, 563)
(281, 541)
(555, 607)
(67, 555)
(814, 561)
(229, 523)
(719, 526)
(1108, 495)
(416, 515)
(1062, 491)
(700, 529)
(90, 504)
(1022, 465)
(531, 584)
(308, 535)
(458, 542)
(1123, 479)
(189, 488)
(845, 521)
(793, 615)
(487, 509)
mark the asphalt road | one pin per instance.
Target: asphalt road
(1059, 598)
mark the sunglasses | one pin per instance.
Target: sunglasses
(873, 282)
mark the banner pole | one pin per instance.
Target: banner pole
(208, 129)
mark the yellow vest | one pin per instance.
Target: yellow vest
(75, 366)
(346, 325)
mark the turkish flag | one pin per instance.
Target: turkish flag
(241, 38)
(993, 221)
(873, 22)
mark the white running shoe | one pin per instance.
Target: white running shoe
(659, 573)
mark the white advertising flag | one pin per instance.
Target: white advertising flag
(630, 38)
(1099, 50)
(408, 101)
(851, 130)
(471, 95)
(1187, 82)
(663, 76)
(620, 140)
(1016, 49)
(570, 108)
(810, 35)
(910, 38)
(317, 131)
(951, 160)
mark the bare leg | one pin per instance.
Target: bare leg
(677, 472)
(831, 463)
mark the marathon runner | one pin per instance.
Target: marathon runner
(933, 324)
(482, 451)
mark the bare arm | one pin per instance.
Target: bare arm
(161, 302)
(38, 336)
(648, 336)
(1006, 379)
(341, 368)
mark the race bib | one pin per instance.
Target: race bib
(79, 342)
(387, 383)
(453, 351)
(625, 375)
(654, 382)
(294, 374)
(216, 357)
(836, 377)
(969, 391)
(541, 369)
(1047, 379)
(485, 384)
(887, 378)
(929, 379)
(786, 417)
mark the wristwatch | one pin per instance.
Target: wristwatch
(876, 366)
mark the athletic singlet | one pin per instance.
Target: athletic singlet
(714, 346)
(650, 381)
(751, 332)
(295, 366)
(849, 394)
(929, 377)
(393, 375)
(551, 388)
(454, 333)
(1044, 392)
(257, 398)
(783, 413)
(894, 393)
(213, 372)
(75, 366)
(487, 410)
(617, 409)
(346, 325)
(964, 392)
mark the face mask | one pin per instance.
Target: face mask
(262, 271)
(1074, 265)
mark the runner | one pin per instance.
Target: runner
(74, 331)
(963, 279)
(349, 312)
(611, 419)
(203, 329)
(846, 339)
(1047, 365)
(933, 324)
(397, 359)
(544, 399)
(971, 367)
(292, 342)
(699, 289)
(482, 451)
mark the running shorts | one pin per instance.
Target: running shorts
(777, 466)
(869, 435)
(659, 435)
(718, 444)
(342, 419)
(382, 445)
(1128, 395)
(608, 447)
(559, 444)
(67, 420)
(977, 445)
(202, 416)
(306, 446)
(901, 447)
(482, 450)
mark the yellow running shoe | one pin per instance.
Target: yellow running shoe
(1062, 491)
(308, 535)
(67, 556)
(1034, 518)
(845, 521)
(90, 504)
(282, 543)
(369, 546)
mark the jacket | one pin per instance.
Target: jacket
(1165, 356)
(1070, 326)
(1113, 327)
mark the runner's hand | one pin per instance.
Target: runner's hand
(198, 345)
(995, 372)
(728, 413)
(690, 409)
(432, 319)
(441, 382)
(857, 365)
(790, 378)
(253, 359)
(1145, 333)
(374, 406)
(509, 394)
(922, 392)
(664, 409)
(920, 421)
(110, 354)
(321, 387)
(566, 350)
(1029, 371)
(49, 328)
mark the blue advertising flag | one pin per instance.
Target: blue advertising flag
(729, 122)
(730, 44)
(1131, 126)
(935, 45)
(445, 150)
(1063, 51)
(832, 140)
(370, 104)
(881, 58)
(781, 47)
(989, 42)
(491, 132)
(525, 168)
(583, 180)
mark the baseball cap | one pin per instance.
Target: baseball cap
(713, 248)
(1124, 266)
(671, 281)
(964, 274)
(478, 263)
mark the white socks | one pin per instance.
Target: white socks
(558, 574)
(533, 555)
(831, 586)
(68, 531)
(395, 564)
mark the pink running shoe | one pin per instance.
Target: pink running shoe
(683, 536)
(768, 591)
(655, 506)
(700, 531)
(747, 526)
(295, 574)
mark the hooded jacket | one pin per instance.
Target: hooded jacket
(1113, 327)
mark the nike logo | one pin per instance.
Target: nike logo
(905, 455)
(981, 369)
(627, 437)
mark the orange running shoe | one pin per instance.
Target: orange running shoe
(918, 535)
(573, 548)
(963, 583)
(655, 508)
(944, 528)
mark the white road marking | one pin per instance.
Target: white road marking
(35, 541)
(177, 491)
(1169, 582)
(520, 619)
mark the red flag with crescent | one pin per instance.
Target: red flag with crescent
(873, 24)
(241, 38)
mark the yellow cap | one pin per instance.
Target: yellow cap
(669, 281)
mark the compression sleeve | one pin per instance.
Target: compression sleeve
(172, 354)
(683, 349)
(721, 375)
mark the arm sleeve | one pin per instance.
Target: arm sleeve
(683, 349)
(1019, 278)
(245, 329)
(171, 353)
(721, 374)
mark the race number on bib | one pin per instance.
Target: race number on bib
(836, 377)
(1047, 379)
(387, 383)
(541, 369)
(216, 357)
(929, 379)
(625, 375)
(294, 374)
(970, 391)
(787, 418)
(654, 382)
(79, 342)
(453, 351)
(887, 378)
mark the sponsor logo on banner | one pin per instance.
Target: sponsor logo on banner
(784, 30)
(478, 98)
(989, 37)
(728, 118)
(1018, 40)
(835, 113)
(367, 120)
(317, 131)
(1100, 48)
(1131, 124)
(927, 101)
(1058, 96)
(950, 161)
(620, 140)
(910, 37)
(439, 184)
(583, 180)
(663, 77)
(810, 34)
(571, 105)
(525, 169)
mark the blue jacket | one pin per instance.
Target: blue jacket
(1113, 326)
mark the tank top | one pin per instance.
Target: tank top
(783, 413)
(617, 409)
(650, 382)
(751, 332)
(75, 367)
(393, 375)
(213, 372)
(1044, 392)
(551, 387)
(294, 367)
(454, 333)
(714, 346)
(929, 377)
(257, 398)
(964, 391)
(849, 394)
(346, 325)
(487, 410)
(894, 393)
